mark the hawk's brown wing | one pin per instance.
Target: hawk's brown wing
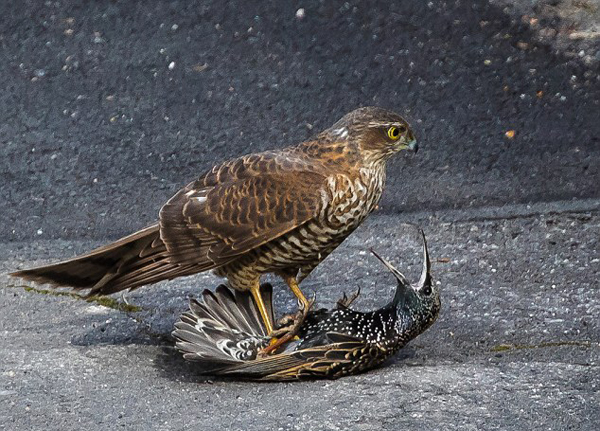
(239, 206)
(235, 207)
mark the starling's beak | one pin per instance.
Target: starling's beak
(403, 284)
(426, 271)
(399, 276)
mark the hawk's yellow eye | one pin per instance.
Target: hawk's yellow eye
(393, 133)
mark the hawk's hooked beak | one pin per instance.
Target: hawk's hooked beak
(412, 145)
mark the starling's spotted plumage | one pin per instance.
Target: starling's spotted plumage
(278, 211)
(224, 334)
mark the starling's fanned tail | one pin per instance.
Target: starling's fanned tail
(224, 328)
(131, 262)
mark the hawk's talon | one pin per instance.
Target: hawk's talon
(286, 320)
(288, 333)
(305, 307)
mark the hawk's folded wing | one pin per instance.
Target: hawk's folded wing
(239, 206)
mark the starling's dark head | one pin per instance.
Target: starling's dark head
(379, 133)
(417, 305)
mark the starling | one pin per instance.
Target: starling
(281, 212)
(224, 334)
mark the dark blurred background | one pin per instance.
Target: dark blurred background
(108, 107)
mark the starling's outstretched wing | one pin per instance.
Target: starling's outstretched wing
(312, 363)
(239, 206)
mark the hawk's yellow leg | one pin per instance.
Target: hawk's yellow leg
(258, 300)
(291, 281)
(305, 305)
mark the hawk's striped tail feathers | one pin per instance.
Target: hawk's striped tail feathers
(133, 261)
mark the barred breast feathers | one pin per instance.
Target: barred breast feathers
(352, 199)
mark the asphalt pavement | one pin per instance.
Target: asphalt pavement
(109, 107)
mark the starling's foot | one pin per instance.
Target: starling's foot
(293, 323)
(346, 301)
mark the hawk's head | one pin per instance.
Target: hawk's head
(378, 132)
